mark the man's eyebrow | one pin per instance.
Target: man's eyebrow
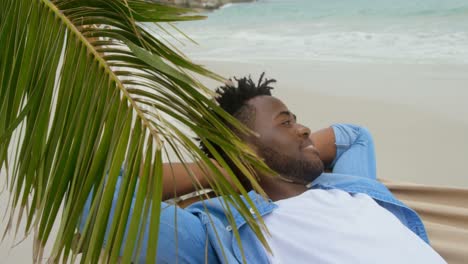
(287, 113)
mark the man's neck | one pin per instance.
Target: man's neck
(279, 189)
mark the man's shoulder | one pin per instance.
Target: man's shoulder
(220, 202)
(350, 183)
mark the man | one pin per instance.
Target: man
(344, 216)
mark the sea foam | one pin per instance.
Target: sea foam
(420, 31)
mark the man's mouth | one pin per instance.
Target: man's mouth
(311, 148)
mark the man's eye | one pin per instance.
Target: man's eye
(287, 122)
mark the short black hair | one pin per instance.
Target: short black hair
(234, 100)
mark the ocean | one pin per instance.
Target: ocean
(398, 67)
(384, 31)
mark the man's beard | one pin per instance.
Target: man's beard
(301, 170)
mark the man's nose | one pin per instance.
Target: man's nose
(303, 131)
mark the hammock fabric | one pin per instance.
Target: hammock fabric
(444, 211)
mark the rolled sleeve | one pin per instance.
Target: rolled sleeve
(355, 153)
(182, 237)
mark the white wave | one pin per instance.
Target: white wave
(226, 5)
(414, 47)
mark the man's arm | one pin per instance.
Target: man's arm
(190, 245)
(324, 141)
(177, 180)
(355, 153)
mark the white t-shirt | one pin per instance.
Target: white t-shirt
(333, 226)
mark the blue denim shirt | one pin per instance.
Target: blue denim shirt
(204, 234)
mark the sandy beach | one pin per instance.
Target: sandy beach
(417, 113)
(399, 68)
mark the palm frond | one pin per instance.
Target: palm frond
(85, 88)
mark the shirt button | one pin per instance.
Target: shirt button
(228, 228)
(252, 211)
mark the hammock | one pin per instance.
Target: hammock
(444, 211)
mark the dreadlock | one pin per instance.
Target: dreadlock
(234, 100)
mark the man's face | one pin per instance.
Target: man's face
(284, 144)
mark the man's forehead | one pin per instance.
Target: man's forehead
(267, 102)
(268, 106)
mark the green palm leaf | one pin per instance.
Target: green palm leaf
(84, 88)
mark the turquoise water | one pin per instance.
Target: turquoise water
(410, 31)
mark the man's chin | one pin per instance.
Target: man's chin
(303, 169)
(307, 174)
(312, 176)
(314, 171)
